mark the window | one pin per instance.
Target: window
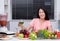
(26, 9)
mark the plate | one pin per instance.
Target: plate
(8, 37)
(9, 32)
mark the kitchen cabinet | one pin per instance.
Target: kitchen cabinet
(27, 9)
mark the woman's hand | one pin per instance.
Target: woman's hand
(24, 28)
(50, 28)
(20, 25)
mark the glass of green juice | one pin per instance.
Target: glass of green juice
(21, 22)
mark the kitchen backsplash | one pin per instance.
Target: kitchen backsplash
(14, 24)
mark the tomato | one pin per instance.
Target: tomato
(58, 34)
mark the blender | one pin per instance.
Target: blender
(3, 22)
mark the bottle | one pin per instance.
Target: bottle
(17, 32)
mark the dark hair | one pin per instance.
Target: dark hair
(45, 11)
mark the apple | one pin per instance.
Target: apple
(49, 36)
(56, 30)
(21, 35)
(55, 36)
(25, 36)
(32, 36)
(27, 33)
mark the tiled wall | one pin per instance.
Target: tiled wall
(14, 24)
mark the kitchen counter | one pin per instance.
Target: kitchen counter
(13, 38)
(16, 39)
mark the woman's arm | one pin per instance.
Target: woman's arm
(29, 26)
(23, 27)
(50, 28)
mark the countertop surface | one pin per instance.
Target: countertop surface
(16, 39)
(25, 39)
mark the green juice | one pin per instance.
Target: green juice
(21, 22)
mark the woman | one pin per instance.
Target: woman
(41, 22)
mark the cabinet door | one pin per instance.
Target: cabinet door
(30, 9)
(27, 9)
(19, 9)
(47, 4)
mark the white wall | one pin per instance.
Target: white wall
(58, 9)
(1, 6)
(9, 10)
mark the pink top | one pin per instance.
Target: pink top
(36, 25)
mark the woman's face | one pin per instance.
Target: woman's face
(41, 14)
